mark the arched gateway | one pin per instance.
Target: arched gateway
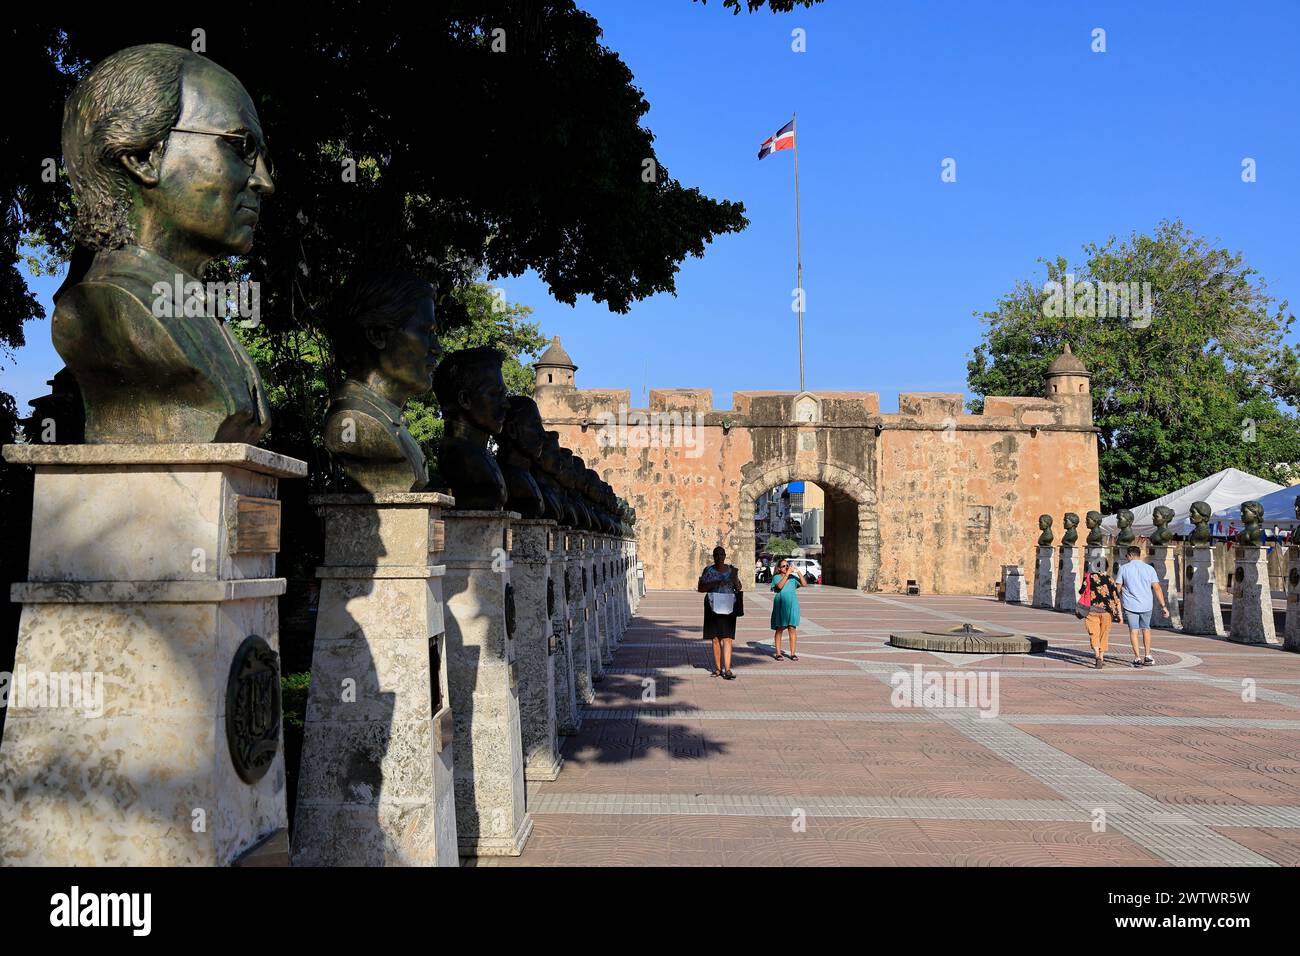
(928, 494)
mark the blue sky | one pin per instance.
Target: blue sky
(1055, 146)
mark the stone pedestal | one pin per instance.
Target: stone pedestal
(535, 646)
(1201, 613)
(1163, 561)
(567, 717)
(1067, 579)
(482, 674)
(1014, 588)
(1252, 599)
(579, 626)
(603, 593)
(375, 787)
(1045, 576)
(624, 592)
(1291, 639)
(596, 651)
(1097, 557)
(144, 720)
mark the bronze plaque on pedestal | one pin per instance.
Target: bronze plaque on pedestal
(256, 525)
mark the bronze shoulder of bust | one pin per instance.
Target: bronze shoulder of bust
(124, 357)
(472, 473)
(376, 451)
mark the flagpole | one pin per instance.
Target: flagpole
(798, 250)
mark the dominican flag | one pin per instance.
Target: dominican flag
(784, 139)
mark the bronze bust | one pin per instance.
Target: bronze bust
(472, 394)
(385, 335)
(548, 463)
(564, 479)
(1161, 517)
(1071, 536)
(1252, 518)
(520, 448)
(1200, 517)
(1045, 525)
(165, 153)
(1124, 518)
(577, 479)
(1093, 519)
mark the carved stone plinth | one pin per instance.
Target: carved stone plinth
(1252, 599)
(1067, 579)
(1162, 560)
(482, 673)
(1291, 637)
(1096, 557)
(596, 644)
(567, 716)
(1045, 577)
(1201, 612)
(1014, 588)
(579, 625)
(608, 621)
(535, 648)
(150, 607)
(375, 787)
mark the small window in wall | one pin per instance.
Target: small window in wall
(549, 378)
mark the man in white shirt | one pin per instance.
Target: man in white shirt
(1139, 586)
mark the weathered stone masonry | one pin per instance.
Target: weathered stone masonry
(929, 494)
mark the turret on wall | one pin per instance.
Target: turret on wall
(555, 368)
(1067, 382)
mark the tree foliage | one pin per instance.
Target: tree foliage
(1199, 387)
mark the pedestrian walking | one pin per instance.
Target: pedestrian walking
(1099, 606)
(785, 607)
(1139, 589)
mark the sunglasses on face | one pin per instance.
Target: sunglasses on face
(245, 144)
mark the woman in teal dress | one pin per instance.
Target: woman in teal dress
(785, 607)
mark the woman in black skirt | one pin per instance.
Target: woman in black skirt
(721, 579)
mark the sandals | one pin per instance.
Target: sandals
(715, 673)
(727, 675)
(777, 656)
(794, 657)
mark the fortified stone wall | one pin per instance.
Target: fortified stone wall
(928, 494)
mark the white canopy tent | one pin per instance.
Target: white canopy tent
(1279, 509)
(1224, 491)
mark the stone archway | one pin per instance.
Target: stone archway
(835, 480)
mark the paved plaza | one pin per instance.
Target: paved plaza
(1195, 761)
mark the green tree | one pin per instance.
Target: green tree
(780, 547)
(1199, 385)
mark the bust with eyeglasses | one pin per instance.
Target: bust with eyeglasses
(166, 156)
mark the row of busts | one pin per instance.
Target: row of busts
(495, 452)
(1251, 533)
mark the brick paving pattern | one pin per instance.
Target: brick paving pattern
(1195, 761)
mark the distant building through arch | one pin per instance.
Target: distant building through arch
(928, 494)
